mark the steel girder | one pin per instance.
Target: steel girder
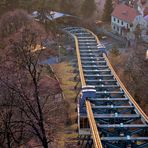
(118, 120)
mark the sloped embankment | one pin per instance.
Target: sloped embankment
(64, 72)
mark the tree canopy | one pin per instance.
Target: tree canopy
(26, 106)
(108, 8)
(88, 8)
(69, 6)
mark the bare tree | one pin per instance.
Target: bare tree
(12, 128)
(33, 112)
(132, 67)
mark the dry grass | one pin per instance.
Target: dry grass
(66, 76)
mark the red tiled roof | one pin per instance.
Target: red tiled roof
(125, 13)
(146, 11)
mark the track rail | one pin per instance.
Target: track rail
(115, 119)
(79, 63)
(125, 90)
(95, 133)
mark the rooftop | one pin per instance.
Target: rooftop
(124, 12)
(52, 15)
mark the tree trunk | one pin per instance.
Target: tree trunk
(41, 122)
(44, 142)
(8, 140)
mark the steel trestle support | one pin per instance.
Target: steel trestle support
(107, 113)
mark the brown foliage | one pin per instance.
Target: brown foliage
(25, 111)
(11, 21)
(132, 67)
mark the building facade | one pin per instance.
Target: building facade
(123, 19)
(127, 15)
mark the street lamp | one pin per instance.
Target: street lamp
(59, 53)
(58, 41)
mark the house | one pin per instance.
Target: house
(137, 4)
(145, 12)
(146, 17)
(142, 7)
(127, 15)
(145, 31)
(124, 19)
(127, 2)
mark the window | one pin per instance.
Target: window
(131, 25)
(118, 21)
(114, 27)
(114, 19)
(122, 22)
(127, 25)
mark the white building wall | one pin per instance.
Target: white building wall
(141, 21)
(132, 26)
(117, 23)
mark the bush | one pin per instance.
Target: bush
(115, 52)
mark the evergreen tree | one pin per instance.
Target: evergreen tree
(8, 4)
(65, 6)
(108, 8)
(69, 6)
(88, 8)
(25, 4)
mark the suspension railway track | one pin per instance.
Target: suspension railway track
(115, 119)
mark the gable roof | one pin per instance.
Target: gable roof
(52, 15)
(124, 12)
(146, 11)
(55, 15)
